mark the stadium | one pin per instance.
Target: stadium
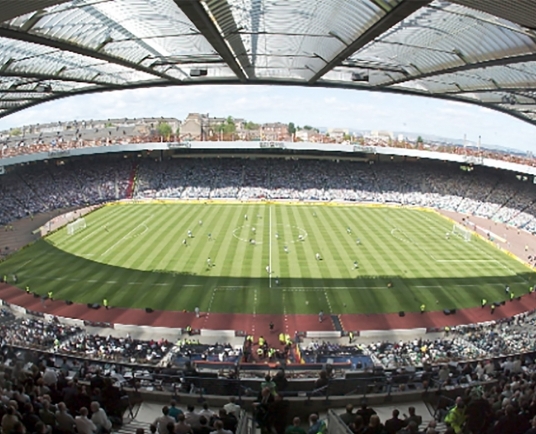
(264, 277)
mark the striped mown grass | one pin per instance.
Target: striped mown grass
(134, 256)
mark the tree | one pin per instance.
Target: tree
(307, 127)
(347, 138)
(251, 126)
(16, 132)
(164, 129)
(420, 140)
(229, 126)
(291, 128)
(178, 132)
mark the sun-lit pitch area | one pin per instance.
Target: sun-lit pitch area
(268, 258)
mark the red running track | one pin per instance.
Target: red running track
(259, 324)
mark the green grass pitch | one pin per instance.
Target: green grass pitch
(134, 256)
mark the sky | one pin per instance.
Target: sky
(323, 108)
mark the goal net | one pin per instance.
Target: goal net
(462, 232)
(76, 226)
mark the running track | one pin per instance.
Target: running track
(260, 323)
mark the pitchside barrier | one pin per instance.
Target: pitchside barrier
(409, 333)
(217, 333)
(174, 333)
(323, 335)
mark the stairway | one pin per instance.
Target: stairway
(336, 323)
(131, 188)
(131, 427)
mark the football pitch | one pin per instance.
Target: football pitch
(263, 259)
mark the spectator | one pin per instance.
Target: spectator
(203, 426)
(229, 421)
(161, 422)
(532, 429)
(395, 424)
(262, 409)
(174, 411)
(413, 416)
(209, 414)
(412, 428)
(181, 427)
(65, 421)
(358, 426)
(375, 426)
(316, 425)
(348, 416)
(40, 428)
(49, 377)
(269, 384)
(29, 419)
(191, 417)
(232, 408)
(83, 424)
(218, 428)
(365, 412)
(455, 418)
(9, 420)
(46, 415)
(295, 428)
(19, 428)
(100, 418)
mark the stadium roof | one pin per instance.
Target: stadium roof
(479, 51)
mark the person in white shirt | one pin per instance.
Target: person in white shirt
(206, 412)
(49, 377)
(100, 418)
(232, 407)
(83, 424)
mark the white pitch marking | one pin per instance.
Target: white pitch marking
(127, 237)
(270, 248)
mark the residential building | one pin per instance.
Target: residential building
(275, 131)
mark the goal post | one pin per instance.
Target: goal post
(462, 232)
(76, 226)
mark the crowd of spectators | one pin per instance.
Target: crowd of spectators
(486, 193)
(123, 349)
(509, 337)
(192, 351)
(38, 397)
(504, 404)
(42, 187)
(490, 194)
(35, 333)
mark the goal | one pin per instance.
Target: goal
(462, 232)
(76, 226)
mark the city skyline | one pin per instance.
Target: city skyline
(318, 107)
